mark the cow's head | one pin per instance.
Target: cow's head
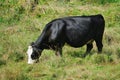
(33, 53)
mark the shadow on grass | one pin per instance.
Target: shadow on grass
(78, 54)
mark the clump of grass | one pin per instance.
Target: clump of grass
(98, 58)
(2, 62)
(102, 2)
(76, 54)
(118, 52)
(16, 57)
(7, 74)
(22, 76)
(28, 69)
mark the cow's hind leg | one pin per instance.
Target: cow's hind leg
(99, 44)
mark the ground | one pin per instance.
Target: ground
(20, 25)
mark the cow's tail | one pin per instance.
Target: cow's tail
(102, 20)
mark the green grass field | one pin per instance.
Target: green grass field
(20, 24)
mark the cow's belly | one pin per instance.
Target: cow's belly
(76, 43)
(73, 44)
(79, 43)
(78, 39)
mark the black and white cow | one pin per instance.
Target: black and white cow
(75, 31)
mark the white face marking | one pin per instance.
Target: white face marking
(29, 52)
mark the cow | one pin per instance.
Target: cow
(75, 31)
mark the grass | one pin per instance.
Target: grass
(20, 25)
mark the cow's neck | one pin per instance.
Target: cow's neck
(42, 45)
(40, 40)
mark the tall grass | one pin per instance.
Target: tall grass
(21, 25)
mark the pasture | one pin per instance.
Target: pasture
(21, 23)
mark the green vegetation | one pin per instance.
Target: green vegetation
(22, 22)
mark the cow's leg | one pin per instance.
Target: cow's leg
(99, 45)
(59, 49)
(58, 52)
(88, 49)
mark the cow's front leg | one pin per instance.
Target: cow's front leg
(58, 52)
(88, 49)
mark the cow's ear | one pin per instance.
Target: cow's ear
(32, 43)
